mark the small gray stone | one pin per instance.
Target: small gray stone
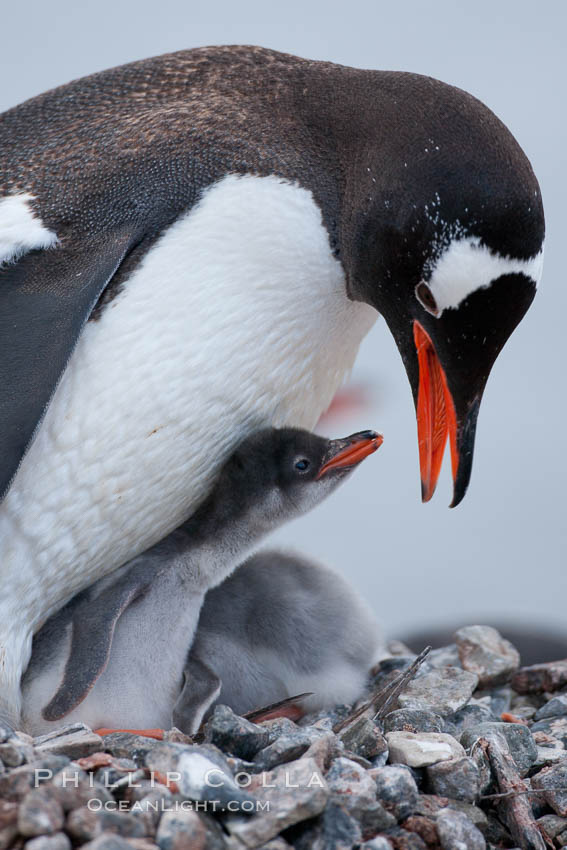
(556, 707)
(486, 653)
(444, 656)
(373, 818)
(496, 833)
(469, 715)
(149, 808)
(442, 691)
(554, 726)
(127, 745)
(108, 841)
(413, 720)
(126, 781)
(328, 716)
(351, 786)
(181, 830)
(201, 772)
(85, 824)
(363, 738)
(396, 789)
(284, 749)
(540, 677)
(278, 843)
(8, 823)
(335, 829)
(7, 836)
(429, 804)
(458, 778)
(380, 842)
(235, 735)
(15, 784)
(524, 706)
(347, 780)
(340, 831)
(323, 724)
(279, 726)
(110, 774)
(424, 827)
(39, 814)
(456, 832)
(552, 825)
(139, 791)
(73, 787)
(295, 791)
(57, 841)
(553, 777)
(498, 700)
(16, 750)
(393, 664)
(549, 755)
(472, 812)
(422, 748)
(324, 749)
(519, 738)
(74, 741)
(404, 840)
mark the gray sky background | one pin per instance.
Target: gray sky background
(502, 554)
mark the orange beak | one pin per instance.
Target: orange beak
(436, 416)
(352, 450)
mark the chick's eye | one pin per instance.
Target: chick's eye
(426, 298)
(302, 464)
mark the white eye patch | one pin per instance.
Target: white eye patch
(466, 266)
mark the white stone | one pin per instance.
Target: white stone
(419, 749)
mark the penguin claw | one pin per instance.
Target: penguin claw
(158, 734)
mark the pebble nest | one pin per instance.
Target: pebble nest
(458, 748)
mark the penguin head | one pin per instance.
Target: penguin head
(448, 246)
(277, 474)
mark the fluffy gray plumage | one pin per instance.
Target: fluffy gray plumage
(117, 654)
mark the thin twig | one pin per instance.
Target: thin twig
(527, 792)
(383, 698)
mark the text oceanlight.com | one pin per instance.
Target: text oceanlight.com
(96, 805)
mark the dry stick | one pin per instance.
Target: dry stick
(526, 793)
(383, 699)
(516, 806)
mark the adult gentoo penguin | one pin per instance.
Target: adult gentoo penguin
(231, 220)
(115, 655)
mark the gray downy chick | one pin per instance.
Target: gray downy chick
(115, 655)
(280, 625)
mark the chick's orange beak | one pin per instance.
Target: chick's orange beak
(351, 451)
(436, 416)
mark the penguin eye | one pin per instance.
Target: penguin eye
(302, 464)
(426, 298)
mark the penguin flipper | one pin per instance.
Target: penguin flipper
(93, 625)
(45, 299)
(201, 688)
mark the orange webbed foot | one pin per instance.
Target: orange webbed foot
(158, 734)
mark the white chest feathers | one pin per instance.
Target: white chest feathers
(236, 318)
